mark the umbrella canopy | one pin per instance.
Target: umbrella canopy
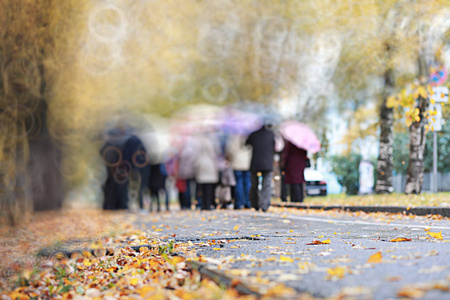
(301, 135)
(235, 121)
(196, 118)
(267, 113)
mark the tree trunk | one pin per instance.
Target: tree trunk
(47, 186)
(414, 175)
(385, 158)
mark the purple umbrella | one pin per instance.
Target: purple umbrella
(300, 135)
(238, 122)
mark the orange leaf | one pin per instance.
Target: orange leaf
(400, 239)
(317, 242)
(375, 258)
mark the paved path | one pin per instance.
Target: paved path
(264, 248)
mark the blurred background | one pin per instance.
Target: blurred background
(365, 75)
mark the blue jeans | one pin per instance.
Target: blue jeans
(242, 189)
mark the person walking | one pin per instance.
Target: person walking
(157, 185)
(240, 156)
(207, 168)
(186, 171)
(294, 163)
(262, 142)
(127, 161)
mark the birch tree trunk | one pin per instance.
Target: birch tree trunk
(414, 175)
(385, 157)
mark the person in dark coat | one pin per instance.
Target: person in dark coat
(294, 162)
(123, 153)
(115, 188)
(262, 142)
(134, 152)
(157, 185)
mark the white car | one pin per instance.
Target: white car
(315, 183)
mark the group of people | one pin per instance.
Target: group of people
(228, 169)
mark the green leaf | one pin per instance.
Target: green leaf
(80, 290)
(65, 289)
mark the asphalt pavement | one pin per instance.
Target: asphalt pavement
(325, 253)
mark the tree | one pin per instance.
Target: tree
(428, 38)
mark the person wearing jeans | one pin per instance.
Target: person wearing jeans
(240, 157)
(242, 189)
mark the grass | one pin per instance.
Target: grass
(425, 199)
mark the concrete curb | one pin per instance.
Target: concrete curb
(220, 278)
(418, 211)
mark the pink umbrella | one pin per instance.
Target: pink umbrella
(300, 135)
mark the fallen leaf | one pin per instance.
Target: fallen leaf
(436, 235)
(336, 273)
(393, 278)
(411, 292)
(400, 239)
(375, 258)
(286, 259)
(236, 227)
(317, 242)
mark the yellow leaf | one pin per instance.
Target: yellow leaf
(217, 249)
(391, 102)
(337, 272)
(145, 290)
(177, 259)
(327, 241)
(286, 259)
(158, 229)
(87, 263)
(422, 92)
(432, 101)
(375, 258)
(236, 227)
(319, 237)
(436, 235)
(442, 95)
(18, 295)
(134, 281)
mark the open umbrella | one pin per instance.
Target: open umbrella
(300, 135)
(196, 118)
(235, 121)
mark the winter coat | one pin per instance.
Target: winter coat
(158, 177)
(207, 161)
(294, 164)
(263, 149)
(186, 160)
(238, 153)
